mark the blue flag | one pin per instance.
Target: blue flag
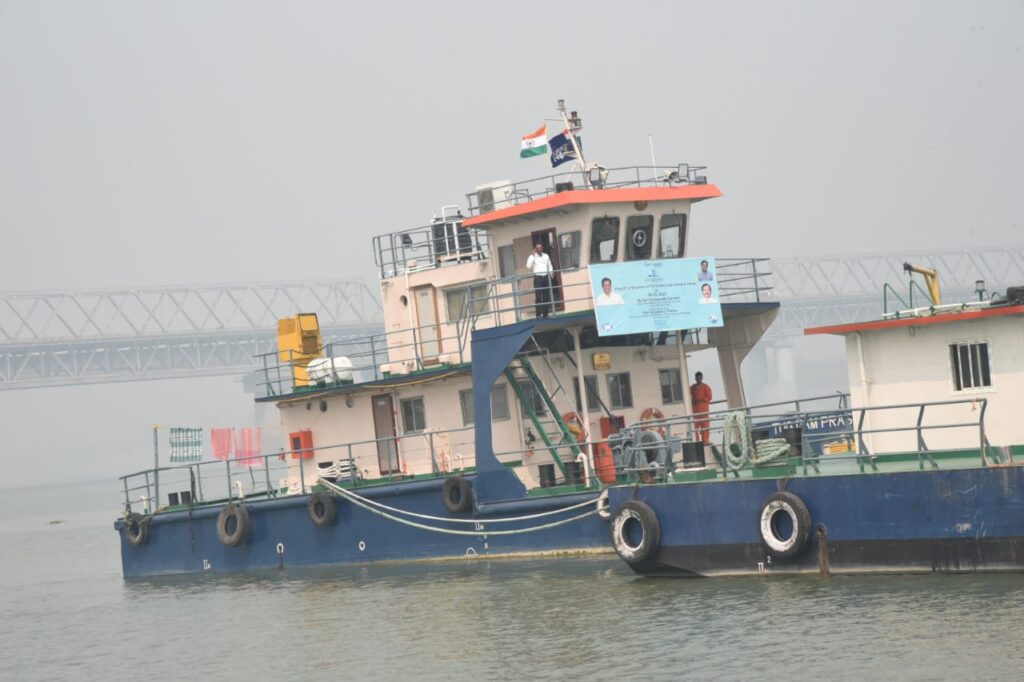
(561, 149)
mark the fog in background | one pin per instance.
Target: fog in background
(187, 142)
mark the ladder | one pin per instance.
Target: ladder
(561, 437)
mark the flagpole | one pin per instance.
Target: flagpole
(572, 139)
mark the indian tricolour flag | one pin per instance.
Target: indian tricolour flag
(535, 144)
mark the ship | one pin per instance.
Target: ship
(479, 422)
(920, 471)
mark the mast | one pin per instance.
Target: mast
(574, 124)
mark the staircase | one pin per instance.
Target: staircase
(551, 428)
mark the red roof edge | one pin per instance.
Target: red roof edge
(596, 196)
(941, 318)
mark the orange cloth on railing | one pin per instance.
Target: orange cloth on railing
(248, 447)
(220, 443)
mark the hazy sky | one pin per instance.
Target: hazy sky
(169, 142)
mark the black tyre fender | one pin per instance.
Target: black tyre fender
(800, 518)
(632, 516)
(457, 494)
(233, 524)
(323, 511)
(136, 529)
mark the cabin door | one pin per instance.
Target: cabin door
(522, 247)
(548, 239)
(429, 332)
(384, 428)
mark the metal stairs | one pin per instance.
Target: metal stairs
(551, 428)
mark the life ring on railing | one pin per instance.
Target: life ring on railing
(577, 427)
(136, 529)
(636, 532)
(785, 525)
(457, 494)
(323, 511)
(233, 524)
(653, 414)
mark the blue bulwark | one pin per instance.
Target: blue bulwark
(493, 349)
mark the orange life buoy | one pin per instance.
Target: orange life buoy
(655, 415)
(577, 427)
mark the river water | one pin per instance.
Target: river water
(66, 613)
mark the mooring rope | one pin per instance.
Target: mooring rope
(366, 504)
(738, 445)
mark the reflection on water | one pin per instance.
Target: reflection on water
(582, 618)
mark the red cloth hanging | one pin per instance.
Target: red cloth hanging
(248, 447)
(220, 442)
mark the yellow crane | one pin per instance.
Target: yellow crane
(931, 280)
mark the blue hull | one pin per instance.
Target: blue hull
(959, 520)
(187, 542)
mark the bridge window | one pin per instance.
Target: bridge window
(672, 241)
(414, 418)
(569, 250)
(460, 307)
(639, 237)
(620, 394)
(671, 386)
(499, 405)
(604, 240)
(970, 365)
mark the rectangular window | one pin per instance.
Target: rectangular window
(672, 240)
(499, 404)
(593, 400)
(460, 307)
(569, 250)
(639, 237)
(970, 365)
(671, 386)
(604, 240)
(414, 418)
(620, 394)
(533, 397)
(506, 261)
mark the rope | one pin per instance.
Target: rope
(736, 428)
(343, 491)
(367, 503)
(359, 502)
(770, 449)
(737, 442)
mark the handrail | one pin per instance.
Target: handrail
(676, 429)
(525, 191)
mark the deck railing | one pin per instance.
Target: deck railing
(495, 197)
(441, 244)
(354, 464)
(359, 463)
(482, 304)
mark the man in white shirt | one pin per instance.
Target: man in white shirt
(539, 263)
(705, 295)
(607, 296)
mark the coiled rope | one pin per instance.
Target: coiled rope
(386, 512)
(738, 445)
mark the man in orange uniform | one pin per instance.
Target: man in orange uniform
(700, 396)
